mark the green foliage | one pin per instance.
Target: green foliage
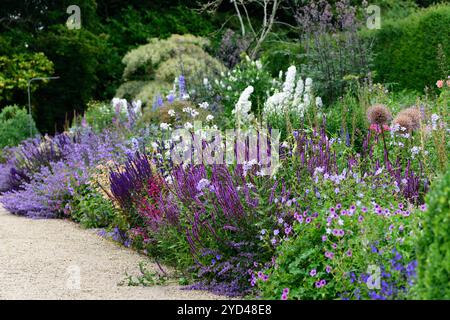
(233, 83)
(146, 278)
(154, 66)
(434, 244)
(407, 50)
(279, 55)
(14, 126)
(99, 115)
(78, 56)
(370, 239)
(91, 209)
(134, 27)
(16, 70)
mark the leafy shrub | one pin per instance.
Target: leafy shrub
(91, 209)
(434, 244)
(406, 50)
(16, 70)
(80, 54)
(14, 126)
(152, 68)
(248, 73)
(99, 115)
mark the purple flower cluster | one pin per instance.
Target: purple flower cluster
(46, 171)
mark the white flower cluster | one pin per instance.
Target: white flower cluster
(434, 121)
(121, 106)
(242, 110)
(294, 98)
(191, 111)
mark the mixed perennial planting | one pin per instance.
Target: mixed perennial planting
(336, 218)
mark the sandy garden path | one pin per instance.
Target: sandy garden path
(56, 259)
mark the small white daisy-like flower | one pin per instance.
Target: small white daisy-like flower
(171, 113)
(164, 126)
(209, 117)
(188, 126)
(204, 105)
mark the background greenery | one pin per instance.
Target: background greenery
(34, 41)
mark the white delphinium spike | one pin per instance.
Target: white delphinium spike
(289, 83)
(319, 102)
(306, 100)
(242, 109)
(308, 85)
(298, 91)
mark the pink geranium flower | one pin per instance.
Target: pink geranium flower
(440, 84)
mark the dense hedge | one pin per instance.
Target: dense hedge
(406, 50)
(434, 245)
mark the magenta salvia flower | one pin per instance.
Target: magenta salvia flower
(329, 255)
(313, 272)
(323, 282)
(364, 209)
(349, 253)
(328, 269)
(308, 220)
(324, 238)
(338, 206)
(423, 207)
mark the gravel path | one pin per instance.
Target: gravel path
(56, 259)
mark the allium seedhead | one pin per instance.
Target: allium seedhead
(379, 114)
(404, 121)
(415, 116)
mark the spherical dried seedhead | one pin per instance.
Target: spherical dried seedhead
(404, 121)
(378, 114)
(414, 114)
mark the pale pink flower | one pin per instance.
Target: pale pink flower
(440, 84)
